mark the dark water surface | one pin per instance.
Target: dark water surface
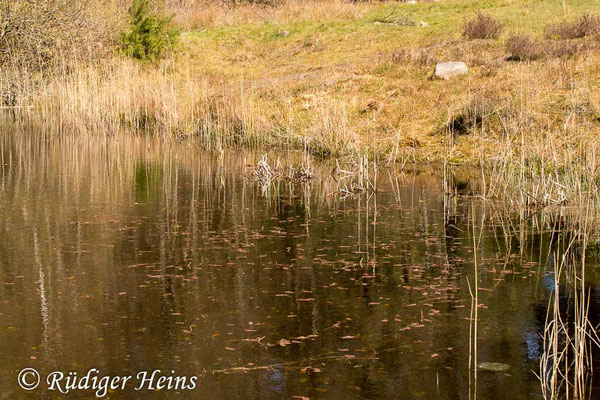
(131, 255)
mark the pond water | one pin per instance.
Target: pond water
(130, 255)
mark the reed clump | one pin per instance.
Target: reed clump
(566, 364)
(266, 171)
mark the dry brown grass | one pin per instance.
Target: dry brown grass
(197, 14)
(420, 57)
(584, 25)
(522, 47)
(118, 96)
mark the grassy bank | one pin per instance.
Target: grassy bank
(339, 78)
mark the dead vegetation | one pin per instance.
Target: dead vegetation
(198, 14)
(483, 26)
(34, 34)
(522, 47)
(488, 105)
(560, 40)
(582, 26)
(420, 57)
(265, 173)
(357, 178)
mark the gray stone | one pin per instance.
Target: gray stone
(447, 70)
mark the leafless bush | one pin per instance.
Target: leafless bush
(524, 48)
(563, 49)
(483, 26)
(584, 25)
(35, 33)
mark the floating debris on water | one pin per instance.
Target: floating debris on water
(494, 366)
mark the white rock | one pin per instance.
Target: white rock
(447, 70)
(423, 24)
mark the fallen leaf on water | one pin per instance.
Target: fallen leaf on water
(494, 366)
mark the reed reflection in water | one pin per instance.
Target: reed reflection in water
(133, 254)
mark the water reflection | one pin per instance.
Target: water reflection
(130, 254)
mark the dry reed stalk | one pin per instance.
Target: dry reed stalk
(565, 365)
(474, 313)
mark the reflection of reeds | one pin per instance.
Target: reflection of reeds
(107, 176)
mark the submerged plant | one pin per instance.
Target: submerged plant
(150, 35)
